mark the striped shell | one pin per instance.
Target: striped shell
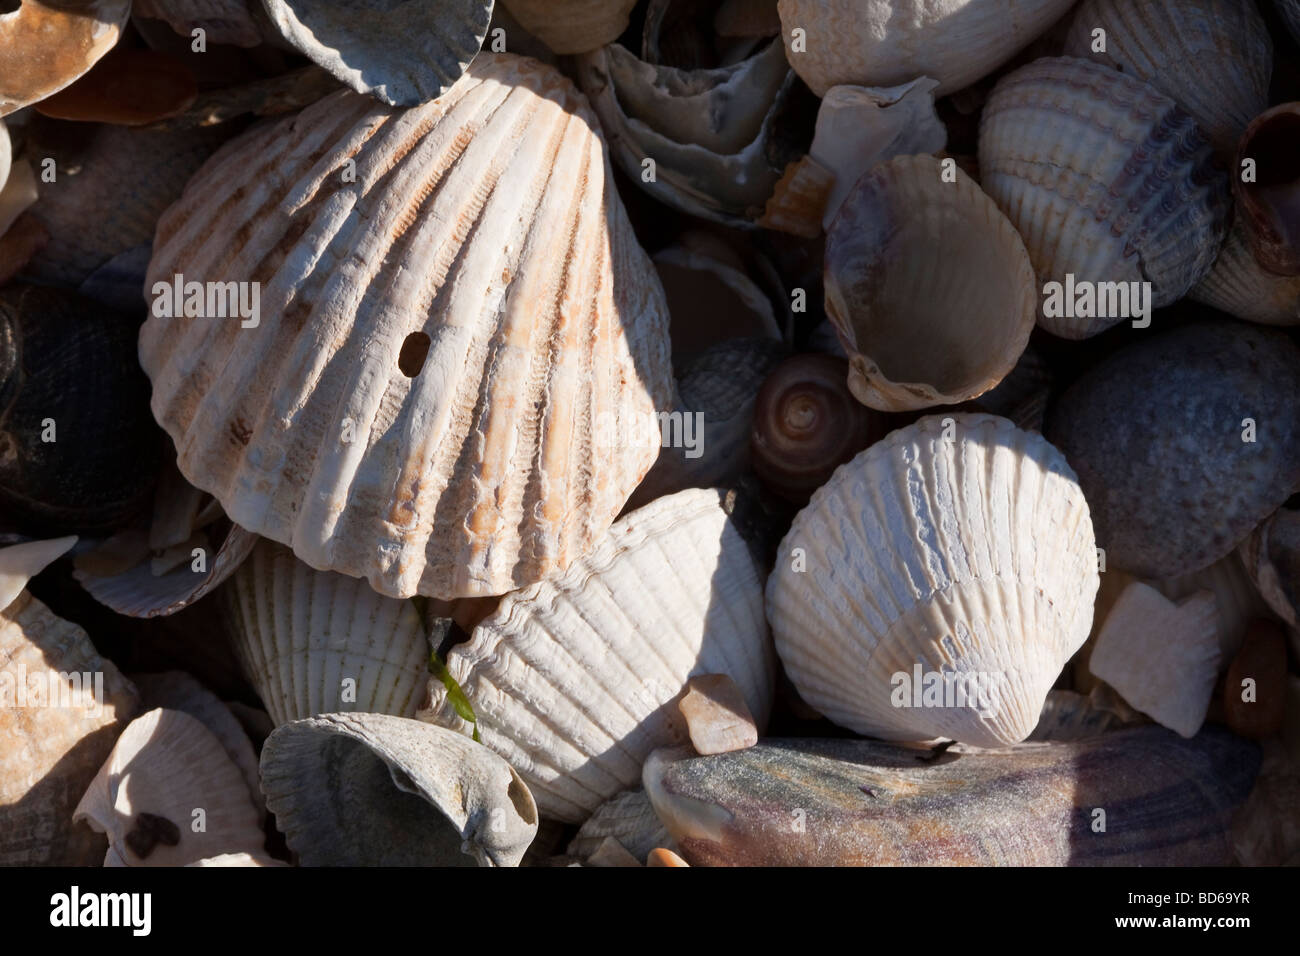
(1105, 178)
(575, 680)
(958, 545)
(1240, 286)
(1211, 57)
(476, 243)
(300, 634)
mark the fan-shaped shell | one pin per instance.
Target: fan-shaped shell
(45, 45)
(1106, 179)
(575, 680)
(482, 227)
(374, 790)
(1211, 57)
(957, 545)
(887, 42)
(397, 51)
(629, 818)
(928, 285)
(572, 26)
(300, 635)
(1240, 286)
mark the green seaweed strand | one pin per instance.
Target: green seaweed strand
(455, 696)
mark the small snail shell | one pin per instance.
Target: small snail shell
(807, 424)
(1271, 202)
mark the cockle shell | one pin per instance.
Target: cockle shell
(629, 818)
(958, 545)
(1167, 801)
(887, 42)
(222, 21)
(1240, 286)
(375, 790)
(1184, 442)
(1268, 200)
(316, 642)
(572, 26)
(51, 749)
(1211, 57)
(604, 650)
(168, 765)
(915, 342)
(399, 52)
(1106, 179)
(46, 44)
(441, 388)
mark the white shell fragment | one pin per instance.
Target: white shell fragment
(19, 563)
(1162, 657)
(937, 584)
(717, 719)
(374, 790)
(576, 679)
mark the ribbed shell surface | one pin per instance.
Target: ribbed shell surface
(1105, 178)
(485, 220)
(574, 680)
(300, 633)
(963, 548)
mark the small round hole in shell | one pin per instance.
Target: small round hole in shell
(415, 349)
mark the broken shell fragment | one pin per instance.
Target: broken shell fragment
(629, 818)
(572, 26)
(1162, 657)
(605, 649)
(914, 342)
(1269, 200)
(661, 856)
(717, 718)
(1237, 603)
(1110, 183)
(316, 642)
(937, 584)
(826, 802)
(399, 52)
(46, 44)
(1240, 286)
(376, 790)
(1211, 57)
(1184, 442)
(168, 795)
(957, 42)
(465, 427)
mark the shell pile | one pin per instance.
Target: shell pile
(649, 432)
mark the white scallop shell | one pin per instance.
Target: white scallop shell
(575, 680)
(1106, 180)
(300, 634)
(483, 225)
(959, 545)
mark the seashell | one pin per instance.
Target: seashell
(399, 52)
(1254, 691)
(807, 424)
(484, 472)
(1211, 57)
(914, 342)
(77, 449)
(315, 642)
(604, 649)
(269, 96)
(717, 718)
(572, 26)
(1107, 180)
(1071, 716)
(664, 857)
(1162, 658)
(629, 818)
(870, 804)
(883, 44)
(1271, 555)
(747, 18)
(1240, 286)
(702, 141)
(1022, 396)
(128, 87)
(1269, 203)
(957, 545)
(858, 128)
(46, 44)
(223, 21)
(715, 407)
(52, 745)
(611, 853)
(799, 198)
(1236, 601)
(1113, 584)
(415, 794)
(18, 196)
(121, 179)
(147, 797)
(1158, 434)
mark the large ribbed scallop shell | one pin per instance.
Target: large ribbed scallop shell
(1240, 286)
(1211, 57)
(575, 680)
(299, 634)
(49, 754)
(572, 26)
(887, 42)
(482, 226)
(1105, 178)
(959, 545)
